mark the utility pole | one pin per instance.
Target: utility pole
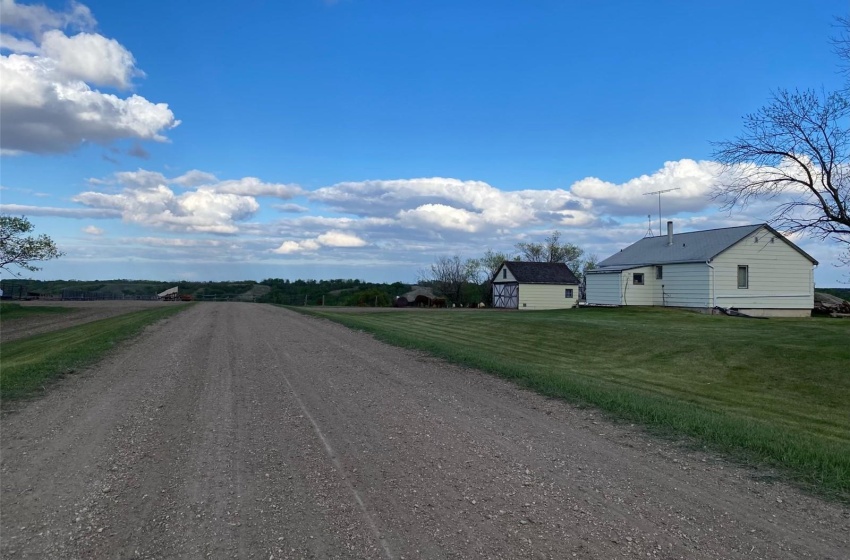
(660, 232)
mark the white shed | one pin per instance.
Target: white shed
(753, 269)
(534, 285)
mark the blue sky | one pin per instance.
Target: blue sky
(355, 139)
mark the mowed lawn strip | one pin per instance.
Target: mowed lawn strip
(13, 311)
(775, 391)
(27, 364)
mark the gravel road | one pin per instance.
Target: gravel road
(249, 431)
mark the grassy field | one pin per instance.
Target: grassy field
(28, 364)
(9, 311)
(773, 392)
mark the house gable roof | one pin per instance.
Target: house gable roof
(694, 246)
(540, 272)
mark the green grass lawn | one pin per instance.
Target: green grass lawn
(27, 364)
(774, 392)
(10, 311)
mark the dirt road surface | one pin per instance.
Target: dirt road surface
(248, 431)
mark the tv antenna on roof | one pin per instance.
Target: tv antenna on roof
(659, 204)
(648, 227)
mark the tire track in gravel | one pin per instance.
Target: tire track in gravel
(248, 431)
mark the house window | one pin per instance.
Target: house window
(659, 272)
(743, 277)
(568, 293)
(504, 273)
(637, 279)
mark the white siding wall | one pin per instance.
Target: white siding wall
(546, 296)
(686, 285)
(638, 294)
(500, 275)
(604, 288)
(779, 276)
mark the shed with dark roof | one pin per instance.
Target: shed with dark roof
(534, 285)
(752, 268)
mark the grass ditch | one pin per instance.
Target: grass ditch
(28, 364)
(771, 393)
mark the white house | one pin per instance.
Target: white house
(534, 285)
(753, 269)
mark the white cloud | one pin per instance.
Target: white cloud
(340, 239)
(693, 181)
(441, 216)
(91, 58)
(34, 18)
(47, 94)
(17, 45)
(141, 178)
(199, 211)
(333, 238)
(251, 186)
(93, 230)
(201, 204)
(194, 178)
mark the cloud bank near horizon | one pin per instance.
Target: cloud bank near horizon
(197, 217)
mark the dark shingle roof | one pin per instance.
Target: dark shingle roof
(694, 246)
(541, 273)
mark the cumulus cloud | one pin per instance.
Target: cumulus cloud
(693, 181)
(35, 18)
(451, 204)
(14, 44)
(333, 238)
(47, 94)
(202, 210)
(251, 186)
(93, 230)
(91, 58)
(193, 202)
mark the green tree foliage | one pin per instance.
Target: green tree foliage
(19, 248)
(331, 292)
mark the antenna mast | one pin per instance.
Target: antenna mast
(648, 227)
(659, 205)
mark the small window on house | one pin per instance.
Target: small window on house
(659, 272)
(568, 293)
(504, 273)
(637, 279)
(743, 277)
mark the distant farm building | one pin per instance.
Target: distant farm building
(534, 285)
(753, 269)
(168, 295)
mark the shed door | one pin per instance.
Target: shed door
(506, 296)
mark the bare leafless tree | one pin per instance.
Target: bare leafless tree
(551, 250)
(450, 275)
(794, 151)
